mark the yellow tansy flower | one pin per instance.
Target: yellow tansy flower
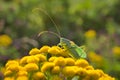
(93, 74)
(22, 78)
(96, 59)
(29, 59)
(24, 60)
(31, 67)
(69, 71)
(11, 62)
(22, 73)
(106, 77)
(60, 61)
(116, 50)
(13, 67)
(81, 72)
(34, 51)
(90, 34)
(39, 76)
(21, 68)
(89, 68)
(51, 59)
(101, 73)
(70, 61)
(7, 72)
(81, 63)
(56, 69)
(9, 78)
(5, 40)
(55, 50)
(64, 53)
(44, 49)
(32, 59)
(41, 57)
(46, 66)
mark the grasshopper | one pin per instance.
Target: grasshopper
(75, 51)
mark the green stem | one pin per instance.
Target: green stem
(30, 75)
(48, 75)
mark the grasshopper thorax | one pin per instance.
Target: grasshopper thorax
(65, 42)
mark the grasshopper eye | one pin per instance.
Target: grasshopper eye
(59, 45)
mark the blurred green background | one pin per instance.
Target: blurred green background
(92, 23)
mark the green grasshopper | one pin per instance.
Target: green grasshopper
(75, 51)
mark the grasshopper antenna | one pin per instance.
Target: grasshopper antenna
(48, 32)
(39, 9)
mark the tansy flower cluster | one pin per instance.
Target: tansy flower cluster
(90, 34)
(96, 59)
(51, 63)
(5, 40)
(116, 50)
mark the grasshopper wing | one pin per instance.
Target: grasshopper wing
(77, 52)
(81, 52)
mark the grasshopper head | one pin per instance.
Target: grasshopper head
(65, 42)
